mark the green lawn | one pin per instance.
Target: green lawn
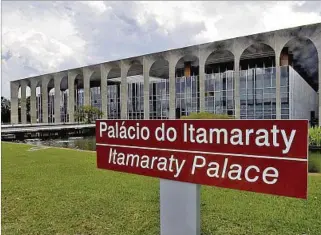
(58, 191)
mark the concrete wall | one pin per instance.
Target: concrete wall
(303, 99)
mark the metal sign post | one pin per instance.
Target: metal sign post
(179, 208)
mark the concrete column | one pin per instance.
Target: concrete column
(86, 76)
(237, 87)
(57, 81)
(71, 95)
(172, 88)
(23, 102)
(104, 70)
(146, 67)
(33, 104)
(278, 85)
(124, 67)
(14, 88)
(202, 82)
(44, 99)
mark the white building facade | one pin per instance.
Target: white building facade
(273, 75)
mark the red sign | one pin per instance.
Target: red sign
(266, 156)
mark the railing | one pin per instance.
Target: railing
(38, 124)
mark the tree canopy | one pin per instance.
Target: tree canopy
(5, 110)
(87, 114)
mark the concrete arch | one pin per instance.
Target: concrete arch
(186, 82)
(51, 100)
(91, 76)
(135, 67)
(33, 101)
(38, 82)
(94, 78)
(73, 76)
(254, 52)
(78, 86)
(187, 51)
(134, 89)
(22, 101)
(302, 54)
(300, 38)
(175, 55)
(206, 50)
(221, 60)
(76, 80)
(79, 81)
(19, 90)
(26, 84)
(283, 37)
(19, 102)
(64, 98)
(159, 68)
(35, 108)
(187, 65)
(241, 44)
(43, 82)
(92, 86)
(110, 90)
(113, 72)
(64, 83)
(157, 101)
(29, 101)
(50, 84)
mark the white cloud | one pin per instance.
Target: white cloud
(97, 7)
(281, 15)
(42, 37)
(37, 41)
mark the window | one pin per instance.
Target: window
(219, 93)
(159, 99)
(187, 97)
(257, 93)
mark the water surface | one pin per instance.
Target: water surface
(83, 143)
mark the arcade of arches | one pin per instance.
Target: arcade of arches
(258, 84)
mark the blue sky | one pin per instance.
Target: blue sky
(42, 37)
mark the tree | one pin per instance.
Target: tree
(87, 114)
(5, 110)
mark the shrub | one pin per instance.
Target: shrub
(315, 136)
(315, 163)
(205, 115)
(87, 114)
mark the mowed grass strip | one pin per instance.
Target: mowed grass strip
(60, 191)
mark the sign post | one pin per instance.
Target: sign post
(179, 208)
(264, 156)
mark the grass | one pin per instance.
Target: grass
(60, 191)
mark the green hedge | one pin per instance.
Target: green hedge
(314, 162)
(315, 136)
(205, 115)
